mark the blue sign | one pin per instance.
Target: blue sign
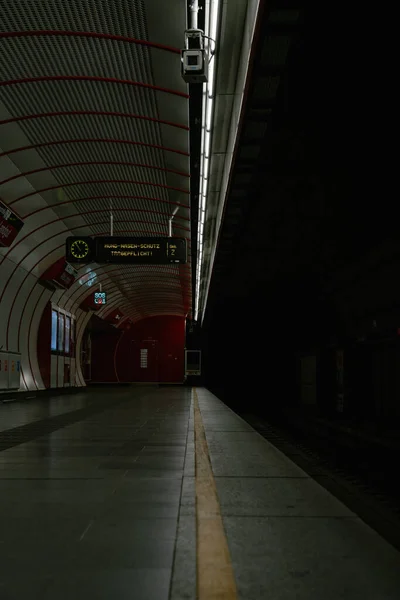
(100, 298)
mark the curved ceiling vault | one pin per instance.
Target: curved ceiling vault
(93, 114)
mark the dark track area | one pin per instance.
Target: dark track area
(360, 470)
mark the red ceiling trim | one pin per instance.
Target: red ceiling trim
(145, 292)
(157, 296)
(157, 302)
(150, 297)
(66, 233)
(167, 274)
(167, 279)
(50, 206)
(91, 181)
(89, 34)
(136, 267)
(112, 285)
(101, 113)
(132, 313)
(129, 310)
(139, 210)
(149, 278)
(95, 79)
(162, 275)
(86, 292)
(162, 288)
(91, 140)
(95, 162)
(158, 307)
(79, 298)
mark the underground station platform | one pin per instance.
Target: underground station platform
(164, 493)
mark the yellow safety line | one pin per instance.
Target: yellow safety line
(215, 578)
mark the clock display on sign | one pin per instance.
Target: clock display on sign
(100, 298)
(79, 249)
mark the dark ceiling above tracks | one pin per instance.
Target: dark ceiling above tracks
(303, 219)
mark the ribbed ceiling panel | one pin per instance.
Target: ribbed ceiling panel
(121, 17)
(104, 171)
(81, 56)
(66, 56)
(104, 204)
(119, 189)
(86, 126)
(136, 228)
(101, 151)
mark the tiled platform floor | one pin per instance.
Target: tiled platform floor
(105, 508)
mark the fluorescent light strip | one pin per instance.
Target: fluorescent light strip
(212, 8)
(207, 139)
(208, 115)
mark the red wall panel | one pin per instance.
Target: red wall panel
(44, 345)
(118, 358)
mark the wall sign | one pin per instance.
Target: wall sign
(3, 370)
(143, 358)
(61, 274)
(127, 250)
(114, 317)
(100, 298)
(10, 370)
(10, 226)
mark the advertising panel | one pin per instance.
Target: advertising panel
(10, 226)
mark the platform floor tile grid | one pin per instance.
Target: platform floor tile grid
(106, 508)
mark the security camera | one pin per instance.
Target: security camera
(194, 61)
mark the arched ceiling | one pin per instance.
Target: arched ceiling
(94, 114)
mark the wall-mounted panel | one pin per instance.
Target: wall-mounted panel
(3, 370)
(14, 370)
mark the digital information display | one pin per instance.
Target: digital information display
(100, 298)
(127, 250)
(142, 251)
